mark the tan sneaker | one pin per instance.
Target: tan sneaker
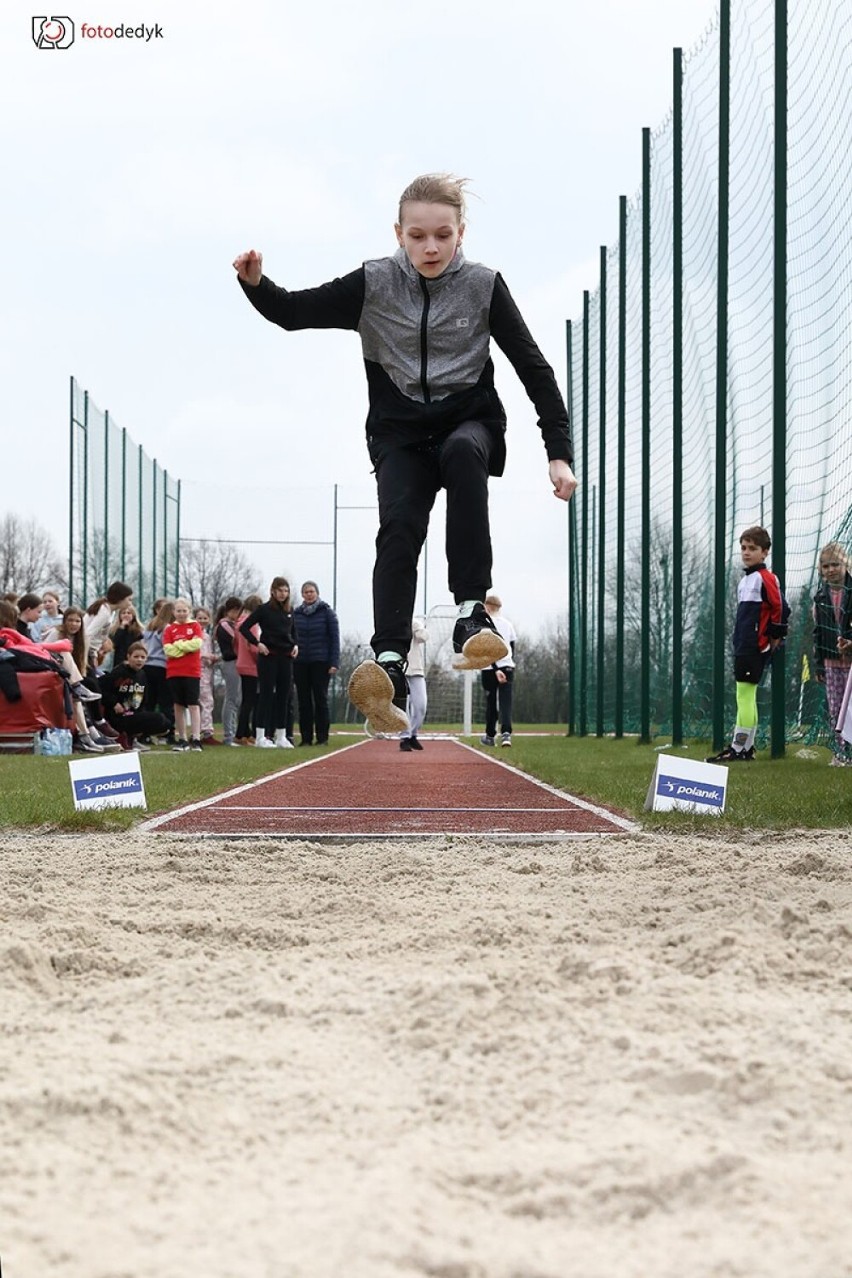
(373, 690)
(476, 643)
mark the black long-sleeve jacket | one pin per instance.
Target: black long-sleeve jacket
(277, 630)
(826, 628)
(426, 346)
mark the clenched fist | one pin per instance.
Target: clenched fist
(249, 267)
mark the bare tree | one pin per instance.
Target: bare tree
(212, 570)
(28, 558)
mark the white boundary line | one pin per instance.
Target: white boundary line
(621, 822)
(322, 807)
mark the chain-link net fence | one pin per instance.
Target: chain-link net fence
(125, 511)
(692, 419)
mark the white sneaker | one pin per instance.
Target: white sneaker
(506, 739)
(262, 742)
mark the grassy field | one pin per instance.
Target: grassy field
(797, 792)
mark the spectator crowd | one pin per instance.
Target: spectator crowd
(129, 682)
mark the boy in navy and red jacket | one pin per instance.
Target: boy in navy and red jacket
(760, 627)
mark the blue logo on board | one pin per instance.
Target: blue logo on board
(108, 787)
(711, 796)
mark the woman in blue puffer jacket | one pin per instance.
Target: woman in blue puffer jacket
(318, 637)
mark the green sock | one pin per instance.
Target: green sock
(388, 656)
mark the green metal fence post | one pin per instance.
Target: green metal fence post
(584, 536)
(177, 540)
(85, 565)
(677, 400)
(106, 571)
(334, 553)
(123, 503)
(165, 474)
(720, 545)
(645, 624)
(572, 551)
(154, 591)
(621, 480)
(779, 367)
(71, 501)
(140, 483)
(601, 522)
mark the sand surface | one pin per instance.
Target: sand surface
(624, 1058)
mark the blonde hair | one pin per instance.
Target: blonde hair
(835, 550)
(436, 188)
(116, 625)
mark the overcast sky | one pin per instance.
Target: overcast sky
(134, 172)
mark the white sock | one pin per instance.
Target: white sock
(467, 607)
(743, 738)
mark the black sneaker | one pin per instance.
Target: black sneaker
(395, 671)
(405, 745)
(730, 755)
(195, 745)
(180, 747)
(415, 744)
(476, 642)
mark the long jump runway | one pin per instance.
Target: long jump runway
(372, 790)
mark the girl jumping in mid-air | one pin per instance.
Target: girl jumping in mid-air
(426, 317)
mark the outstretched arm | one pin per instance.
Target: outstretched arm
(336, 304)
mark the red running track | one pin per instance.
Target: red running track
(374, 790)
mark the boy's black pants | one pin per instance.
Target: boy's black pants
(408, 479)
(140, 723)
(497, 695)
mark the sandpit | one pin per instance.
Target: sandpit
(621, 1058)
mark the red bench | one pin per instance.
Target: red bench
(42, 705)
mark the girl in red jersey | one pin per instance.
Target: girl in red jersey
(182, 642)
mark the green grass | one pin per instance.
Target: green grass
(36, 791)
(779, 794)
(788, 793)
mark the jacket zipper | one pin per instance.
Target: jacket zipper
(424, 351)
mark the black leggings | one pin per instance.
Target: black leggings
(158, 695)
(312, 688)
(408, 480)
(274, 676)
(247, 721)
